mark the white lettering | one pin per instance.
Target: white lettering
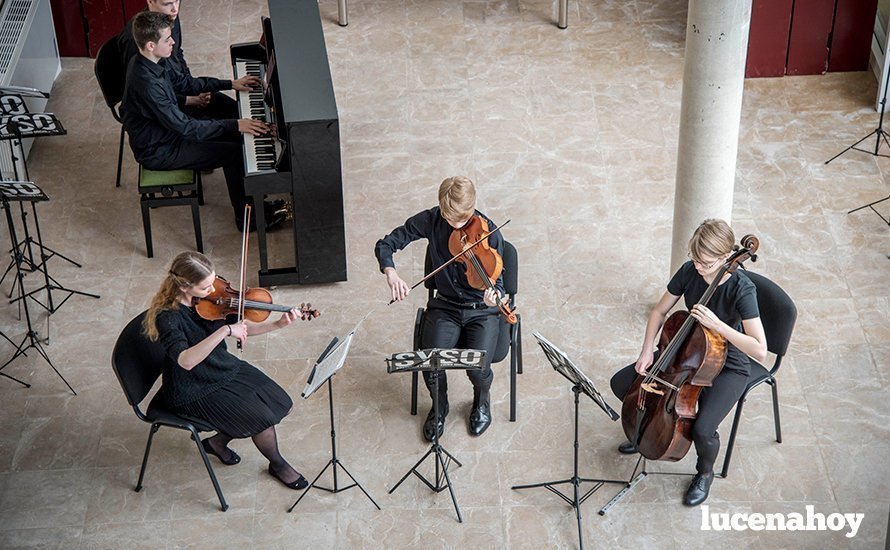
(835, 522)
(854, 520)
(812, 516)
(774, 521)
(793, 521)
(755, 522)
(738, 525)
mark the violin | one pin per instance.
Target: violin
(659, 410)
(469, 245)
(225, 300)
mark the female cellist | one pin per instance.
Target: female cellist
(458, 308)
(203, 380)
(731, 310)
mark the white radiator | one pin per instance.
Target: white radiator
(29, 56)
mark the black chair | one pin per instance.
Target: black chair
(137, 363)
(111, 75)
(778, 314)
(509, 336)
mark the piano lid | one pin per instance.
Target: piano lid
(307, 92)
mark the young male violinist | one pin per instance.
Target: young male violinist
(732, 313)
(457, 309)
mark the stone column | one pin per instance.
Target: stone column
(713, 80)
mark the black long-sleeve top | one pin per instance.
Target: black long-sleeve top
(180, 329)
(176, 62)
(451, 282)
(153, 120)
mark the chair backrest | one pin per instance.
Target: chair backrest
(777, 313)
(111, 74)
(510, 273)
(137, 361)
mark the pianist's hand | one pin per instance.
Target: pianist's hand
(246, 83)
(398, 287)
(252, 127)
(200, 100)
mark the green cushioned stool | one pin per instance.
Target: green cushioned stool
(160, 188)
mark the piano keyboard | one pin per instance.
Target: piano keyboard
(261, 152)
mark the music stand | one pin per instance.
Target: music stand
(580, 384)
(879, 132)
(329, 362)
(23, 192)
(436, 359)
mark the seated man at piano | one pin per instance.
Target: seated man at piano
(165, 138)
(210, 104)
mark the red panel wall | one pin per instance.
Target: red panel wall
(132, 7)
(70, 34)
(768, 38)
(811, 23)
(105, 18)
(850, 39)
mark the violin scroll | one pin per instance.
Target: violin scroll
(307, 313)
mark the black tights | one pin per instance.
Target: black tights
(267, 443)
(714, 404)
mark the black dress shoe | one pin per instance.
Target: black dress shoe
(300, 483)
(627, 448)
(698, 489)
(431, 423)
(230, 460)
(480, 419)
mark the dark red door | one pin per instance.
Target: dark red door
(811, 22)
(768, 38)
(851, 37)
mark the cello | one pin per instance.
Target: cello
(659, 410)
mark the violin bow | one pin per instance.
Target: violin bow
(455, 257)
(243, 270)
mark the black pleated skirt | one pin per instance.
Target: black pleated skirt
(245, 406)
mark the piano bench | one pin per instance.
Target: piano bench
(158, 188)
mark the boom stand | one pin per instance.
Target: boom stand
(562, 364)
(878, 132)
(334, 352)
(435, 360)
(31, 338)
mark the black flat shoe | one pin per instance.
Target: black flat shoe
(431, 422)
(698, 490)
(300, 483)
(627, 448)
(480, 419)
(233, 456)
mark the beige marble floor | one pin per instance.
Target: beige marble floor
(573, 135)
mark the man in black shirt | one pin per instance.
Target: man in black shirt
(457, 309)
(210, 104)
(161, 135)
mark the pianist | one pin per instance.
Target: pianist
(163, 137)
(205, 105)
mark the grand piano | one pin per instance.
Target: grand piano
(302, 156)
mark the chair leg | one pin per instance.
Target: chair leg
(414, 382)
(775, 386)
(146, 227)
(151, 434)
(200, 187)
(120, 157)
(196, 219)
(513, 366)
(732, 434)
(519, 344)
(196, 437)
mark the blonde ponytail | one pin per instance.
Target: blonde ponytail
(187, 269)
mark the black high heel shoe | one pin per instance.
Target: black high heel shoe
(300, 483)
(233, 456)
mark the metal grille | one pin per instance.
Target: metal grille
(11, 30)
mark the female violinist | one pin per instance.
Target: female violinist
(203, 380)
(457, 309)
(732, 313)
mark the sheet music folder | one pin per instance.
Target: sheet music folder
(330, 361)
(564, 366)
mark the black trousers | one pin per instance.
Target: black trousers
(714, 404)
(221, 107)
(207, 155)
(443, 326)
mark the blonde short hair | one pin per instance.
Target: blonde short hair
(712, 238)
(457, 198)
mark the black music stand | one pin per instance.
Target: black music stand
(20, 192)
(580, 384)
(17, 123)
(435, 360)
(879, 132)
(873, 209)
(329, 362)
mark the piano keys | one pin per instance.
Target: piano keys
(302, 155)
